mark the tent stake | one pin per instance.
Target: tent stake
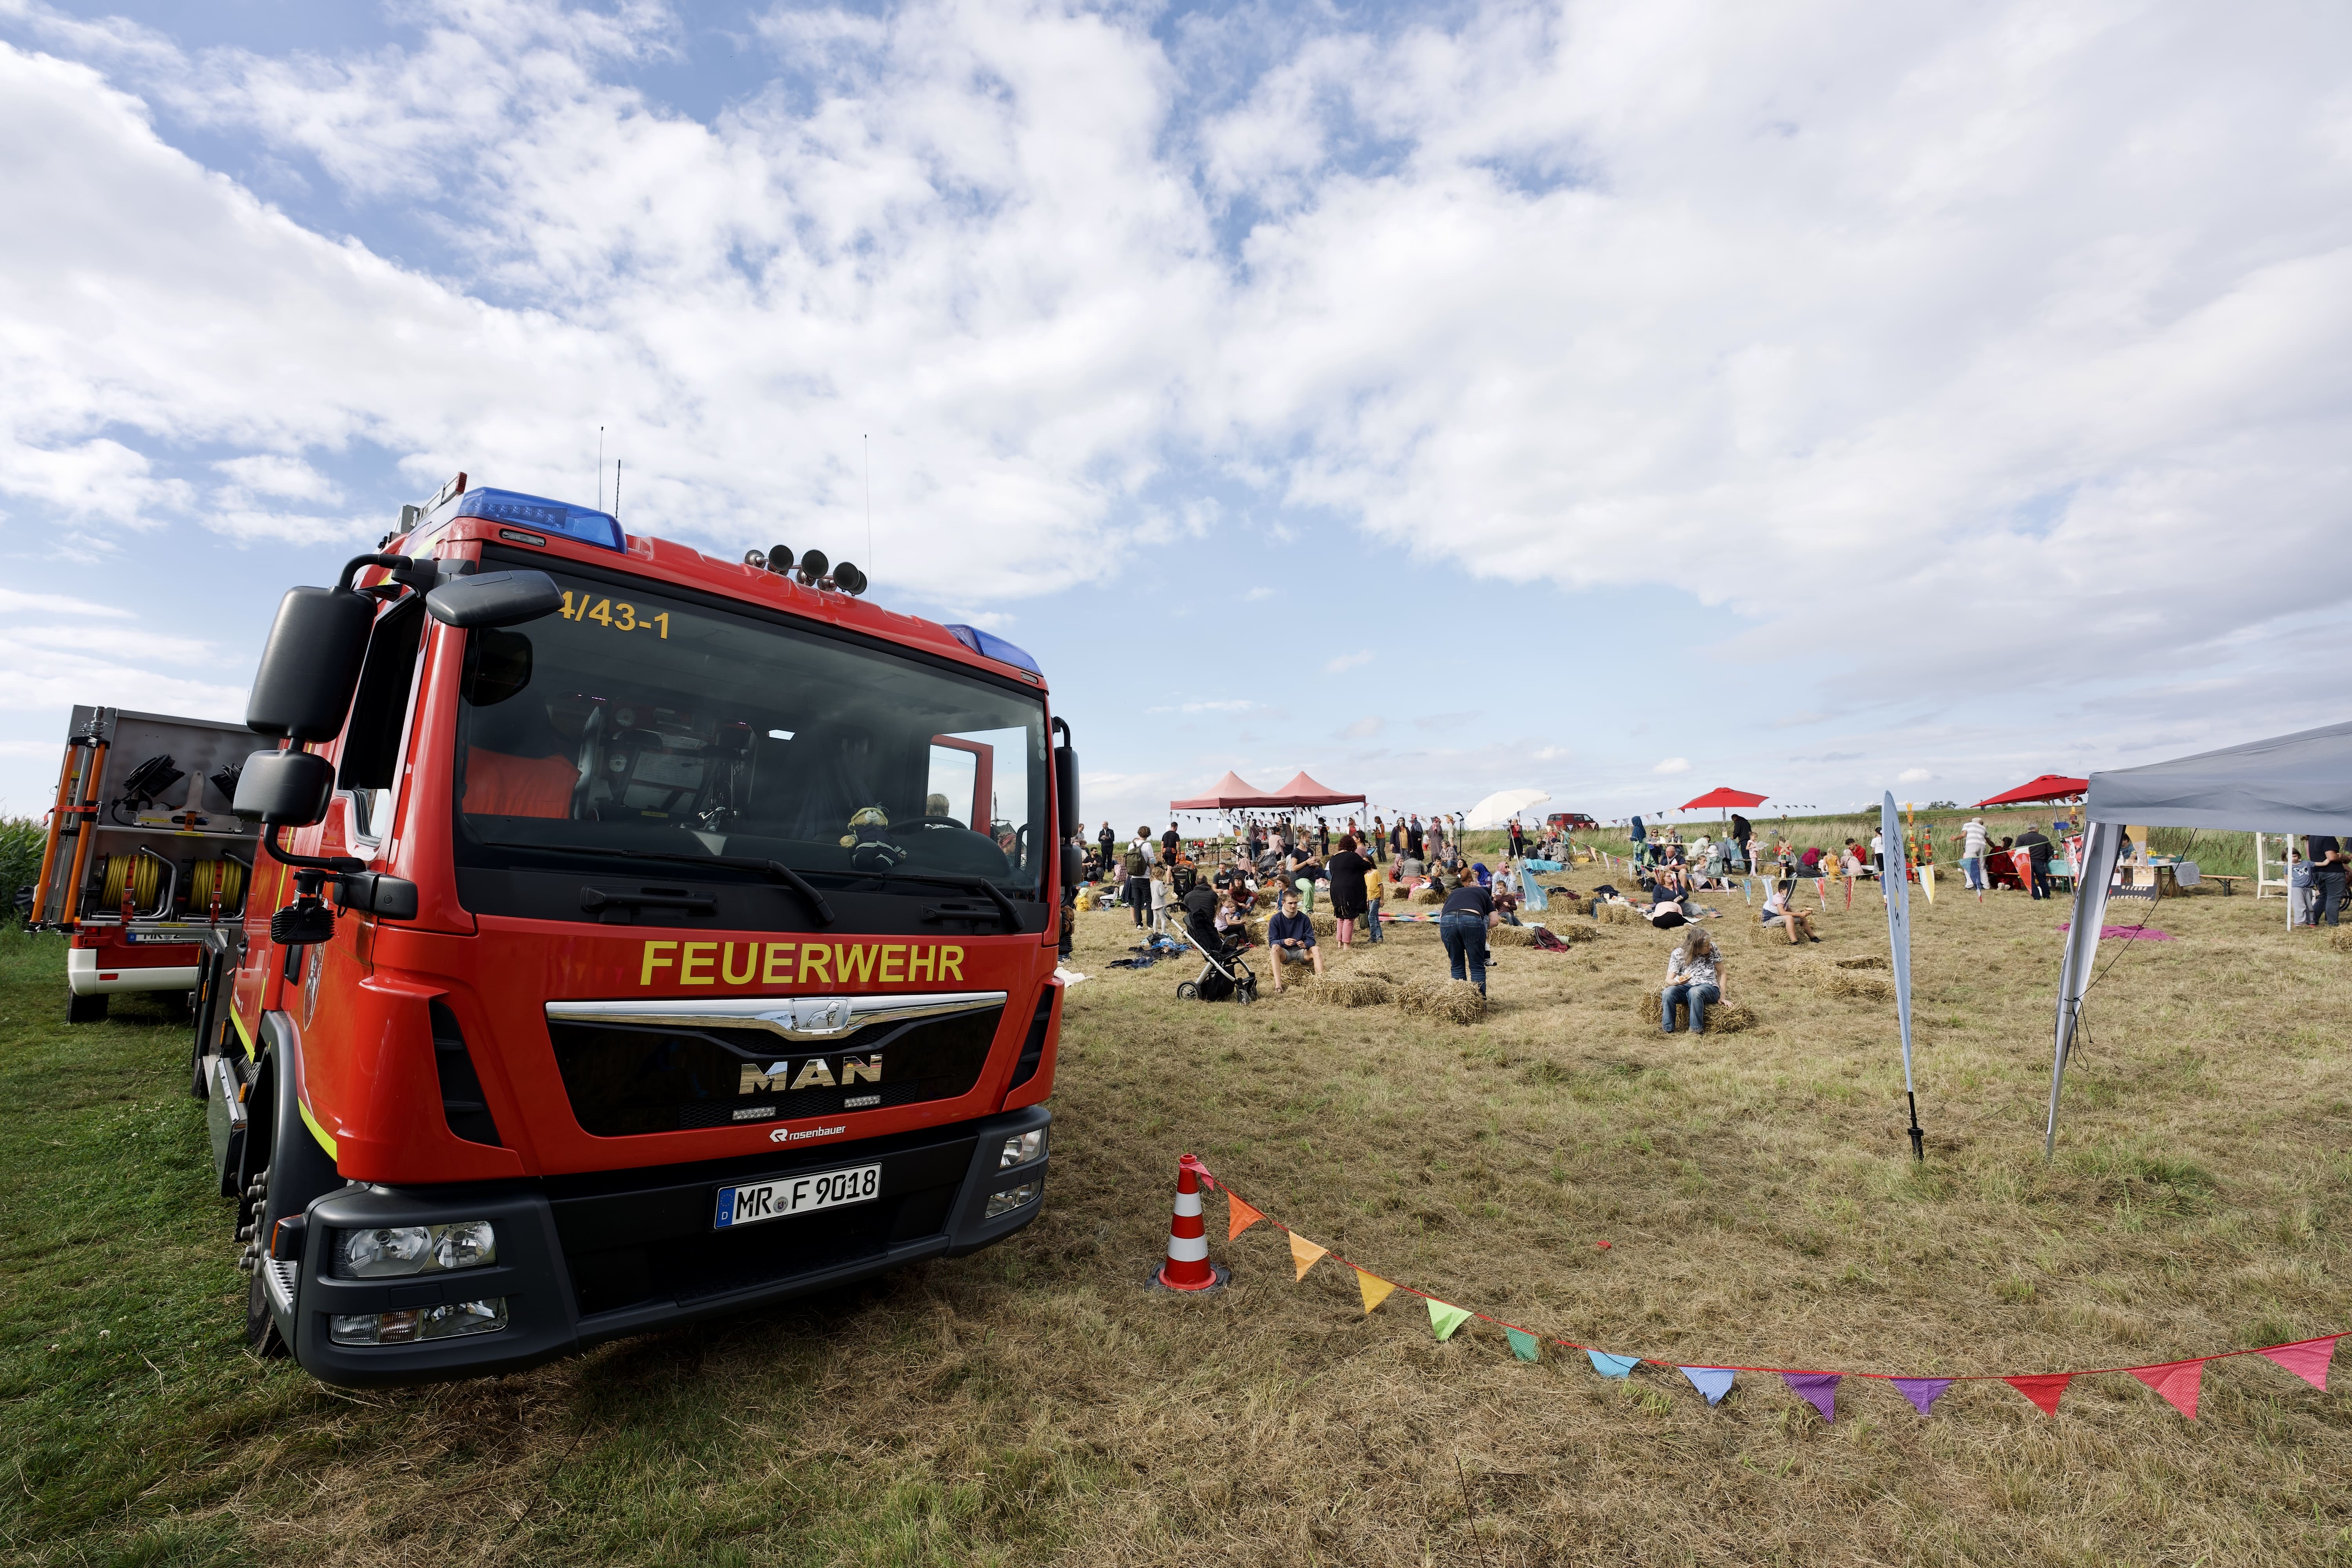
(1918, 1139)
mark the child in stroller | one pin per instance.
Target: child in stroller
(1222, 972)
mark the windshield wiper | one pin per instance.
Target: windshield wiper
(969, 884)
(775, 869)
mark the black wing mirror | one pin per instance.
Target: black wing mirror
(494, 599)
(284, 789)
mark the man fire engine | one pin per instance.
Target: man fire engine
(637, 936)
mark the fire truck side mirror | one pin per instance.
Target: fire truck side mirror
(1074, 866)
(494, 599)
(311, 665)
(284, 789)
(1066, 781)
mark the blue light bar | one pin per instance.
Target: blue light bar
(989, 646)
(536, 512)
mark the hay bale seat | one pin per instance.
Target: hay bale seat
(1454, 1001)
(1349, 990)
(1722, 1017)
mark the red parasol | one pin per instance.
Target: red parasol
(2049, 786)
(1726, 798)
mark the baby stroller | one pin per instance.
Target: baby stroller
(1224, 974)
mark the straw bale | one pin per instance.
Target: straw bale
(2341, 939)
(1428, 896)
(1454, 1001)
(1510, 936)
(1828, 979)
(1862, 960)
(1722, 1017)
(1573, 934)
(1349, 990)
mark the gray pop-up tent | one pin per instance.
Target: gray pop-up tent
(2293, 784)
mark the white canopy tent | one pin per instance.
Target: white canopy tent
(2293, 784)
(1497, 809)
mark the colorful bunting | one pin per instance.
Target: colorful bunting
(2043, 1390)
(1715, 1382)
(1818, 1389)
(2175, 1380)
(1922, 1391)
(2308, 1360)
(2178, 1382)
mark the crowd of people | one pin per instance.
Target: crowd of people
(1164, 878)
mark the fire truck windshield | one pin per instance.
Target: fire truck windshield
(639, 721)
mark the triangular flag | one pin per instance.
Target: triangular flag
(1523, 1343)
(1239, 1215)
(1715, 1382)
(1375, 1290)
(2175, 1380)
(2043, 1390)
(1305, 1253)
(1922, 1391)
(1443, 1318)
(2309, 1361)
(1609, 1365)
(1818, 1389)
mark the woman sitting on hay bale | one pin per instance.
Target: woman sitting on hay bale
(1694, 979)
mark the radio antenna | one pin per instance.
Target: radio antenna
(600, 467)
(868, 441)
(616, 490)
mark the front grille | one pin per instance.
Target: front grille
(623, 1080)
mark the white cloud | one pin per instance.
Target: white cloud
(1348, 661)
(2006, 289)
(1553, 753)
(1364, 729)
(1672, 766)
(1913, 775)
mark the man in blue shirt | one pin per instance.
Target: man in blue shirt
(1291, 937)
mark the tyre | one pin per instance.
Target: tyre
(86, 1009)
(298, 1170)
(1187, 992)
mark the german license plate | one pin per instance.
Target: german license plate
(784, 1196)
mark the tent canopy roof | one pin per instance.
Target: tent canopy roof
(1232, 792)
(1723, 797)
(1304, 791)
(2289, 783)
(2049, 786)
(1501, 806)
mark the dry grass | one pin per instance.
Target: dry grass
(1036, 1404)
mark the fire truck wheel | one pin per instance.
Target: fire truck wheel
(298, 1171)
(85, 1009)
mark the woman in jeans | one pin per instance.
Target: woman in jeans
(1462, 926)
(1693, 977)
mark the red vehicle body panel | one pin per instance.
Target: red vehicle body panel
(360, 1010)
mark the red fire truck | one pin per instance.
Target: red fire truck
(640, 936)
(144, 861)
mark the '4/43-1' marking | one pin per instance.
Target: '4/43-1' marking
(620, 617)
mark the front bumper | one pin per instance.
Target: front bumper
(584, 1260)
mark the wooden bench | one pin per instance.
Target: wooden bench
(2229, 884)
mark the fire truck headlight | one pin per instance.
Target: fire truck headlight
(453, 1321)
(394, 1250)
(1010, 1198)
(1022, 1148)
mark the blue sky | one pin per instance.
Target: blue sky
(1617, 400)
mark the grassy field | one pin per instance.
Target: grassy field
(1035, 1404)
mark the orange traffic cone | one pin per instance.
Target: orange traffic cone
(1188, 1267)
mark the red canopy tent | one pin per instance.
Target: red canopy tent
(1304, 791)
(1725, 798)
(2049, 786)
(1232, 792)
